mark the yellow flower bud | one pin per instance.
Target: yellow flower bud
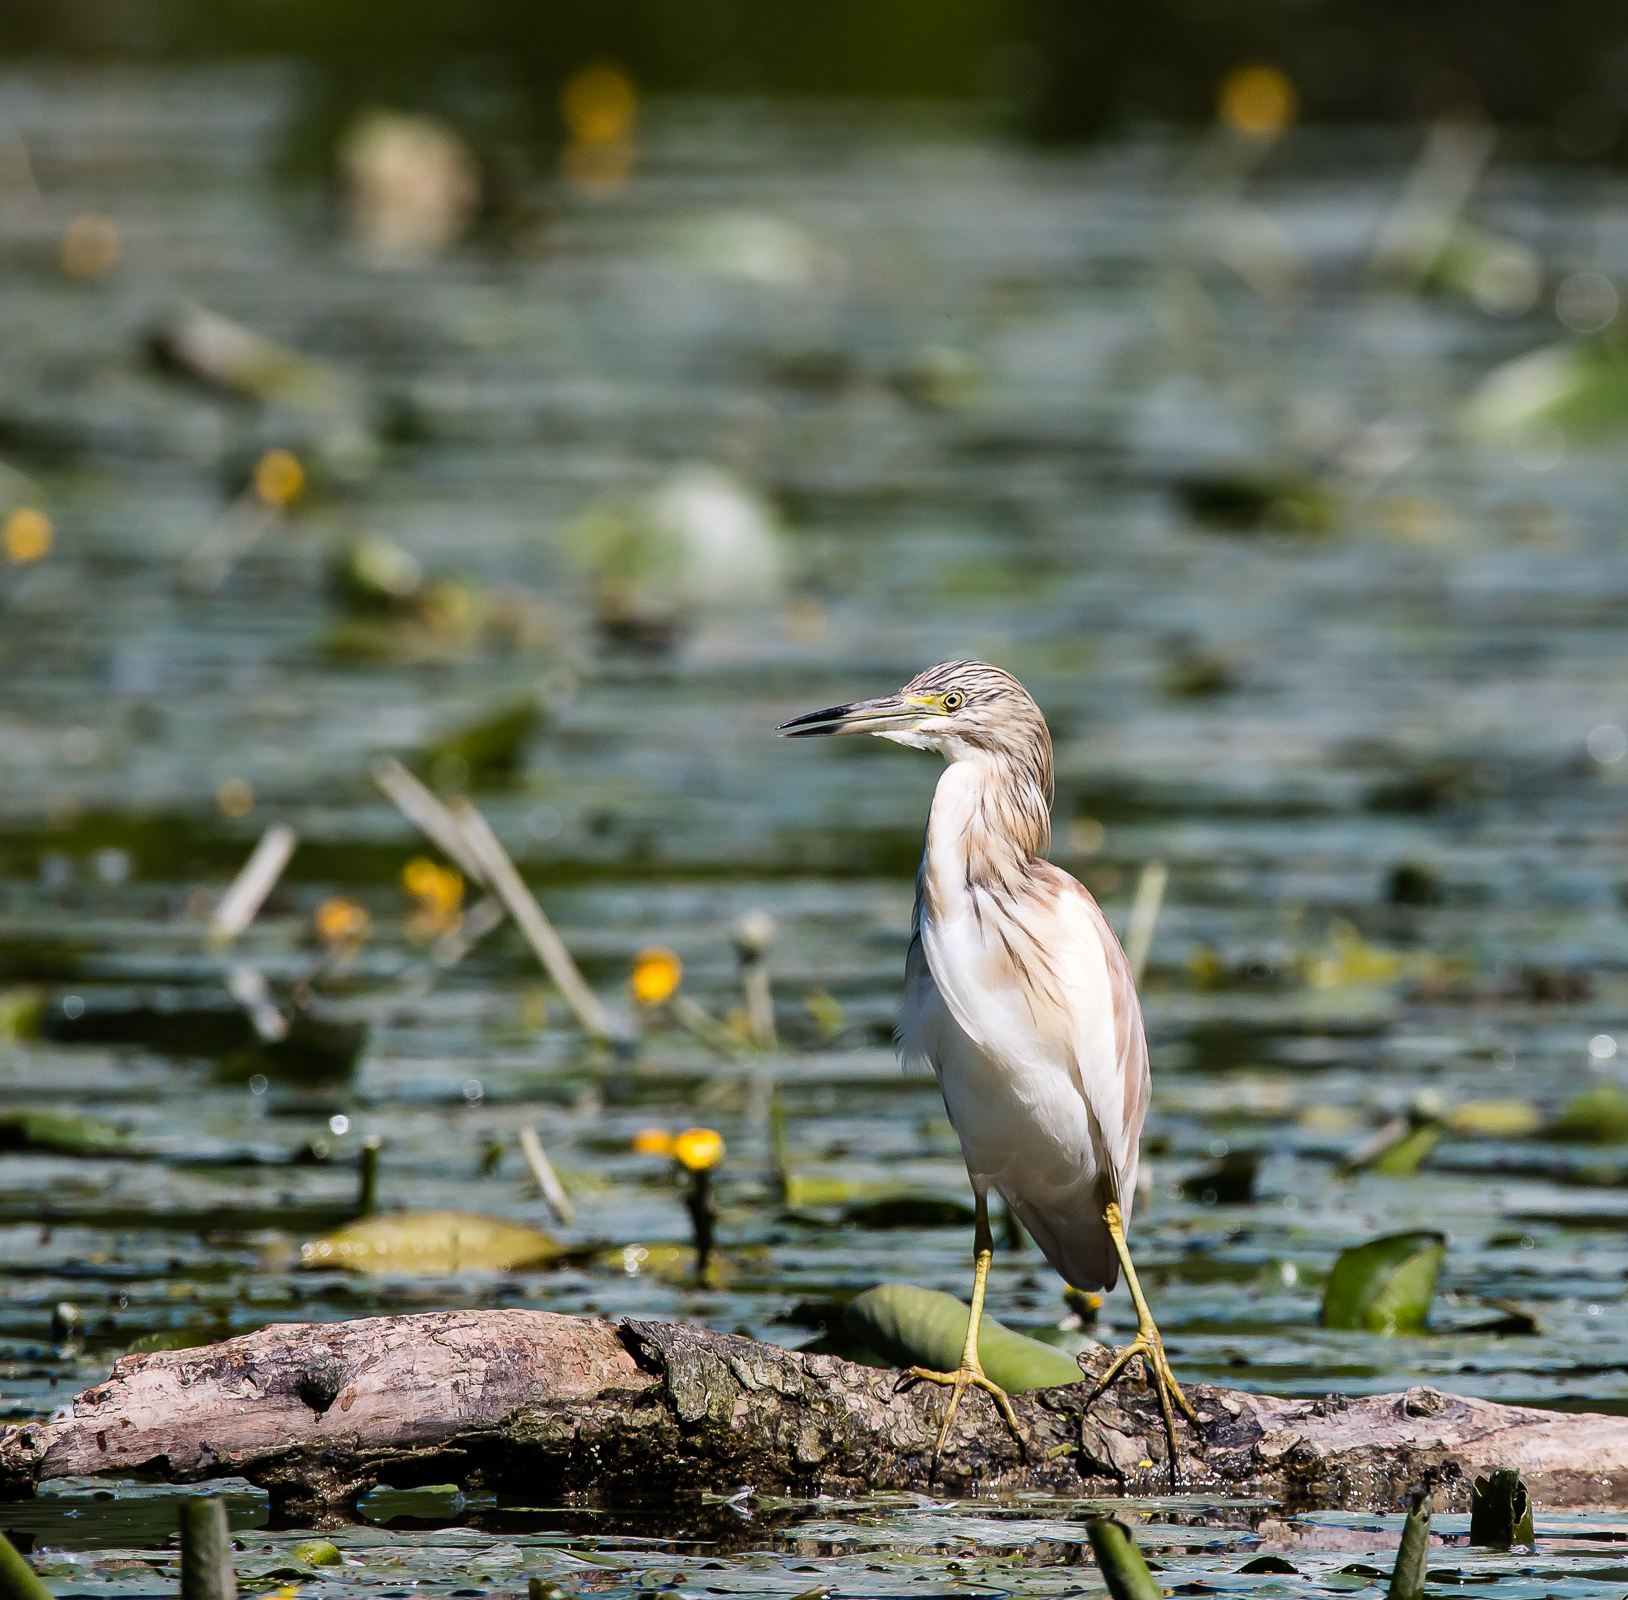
(339, 919)
(1257, 100)
(27, 535)
(653, 1142)
(656, 975)
(698, 1148)
(278, 477)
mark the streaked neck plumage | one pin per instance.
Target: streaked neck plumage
(990, 821)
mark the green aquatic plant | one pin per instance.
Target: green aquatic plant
(18, 1580)
(1386, 1285)
(1408, 1578)
(1580, 385)
(925, 1327)
(1399, 1149)
(491, 747)
(1501, 1511)
(1229, 1181)
(1123, 1567)
(207, 1569)
(60, 1133)
(318, 1553)
(1598, 1116)
(908, 1211)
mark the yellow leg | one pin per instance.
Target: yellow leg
(971, 1372)
(1147, 1344)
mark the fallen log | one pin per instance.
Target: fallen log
(317, 1414)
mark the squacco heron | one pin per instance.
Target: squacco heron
(1020, 1000)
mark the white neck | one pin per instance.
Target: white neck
(987, 824)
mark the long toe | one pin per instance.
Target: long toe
(1166, 1379)
(959, 1382)
(1003, 1403)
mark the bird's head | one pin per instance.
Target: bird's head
(964, 709)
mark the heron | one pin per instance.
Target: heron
(1021, 1002)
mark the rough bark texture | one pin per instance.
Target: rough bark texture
(527, 1402)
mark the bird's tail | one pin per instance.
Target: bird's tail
(1076, 1242)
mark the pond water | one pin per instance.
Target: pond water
(1136, 423)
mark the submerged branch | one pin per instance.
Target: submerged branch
(319, 1413)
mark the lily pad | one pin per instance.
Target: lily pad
(430, 1502)
(925, 1327)
(60, 1133)
(667, 1263)
(1228, 1182)
(1401, 1153)
(318, 1553)
(1071, 1341)
(1248, 502)
(191, 1338)
(1582, 386)
(910, 1211)
(493, 747)
(1495, 1119)
(21, 1013)
(1386, 1285)
(1599, 1116)
(431, 1244)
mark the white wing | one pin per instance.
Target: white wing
(1025, 1008)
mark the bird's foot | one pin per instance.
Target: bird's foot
(963, 1378)
(1150, 1347)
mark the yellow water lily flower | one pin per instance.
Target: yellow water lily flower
(656, 975)
(698, 1149)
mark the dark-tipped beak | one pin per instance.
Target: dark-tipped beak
(891, 712)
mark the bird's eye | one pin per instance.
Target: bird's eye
(954, 700)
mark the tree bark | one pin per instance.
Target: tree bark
(532, 1402)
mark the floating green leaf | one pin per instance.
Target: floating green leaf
(1269, 1564)
(1229, 1182)
(909, 1211)
(1582, 386)
(431, 1244)
(430, 1502)
(21, 1013)
(927, 1328)
(376, 576)
(1251, 502)
(667, 1263)
(318, 1553)
(1403, 1154)
(60, 1133)
(495, 746)
(1386, 1285)
(190, 1338)
(1495, 1119)
(1512, 1319)
(1408, 1580)
(1598, 1117)
(1122, 1565)
(1501, 1511)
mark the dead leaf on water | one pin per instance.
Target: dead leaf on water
(431, 1244)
